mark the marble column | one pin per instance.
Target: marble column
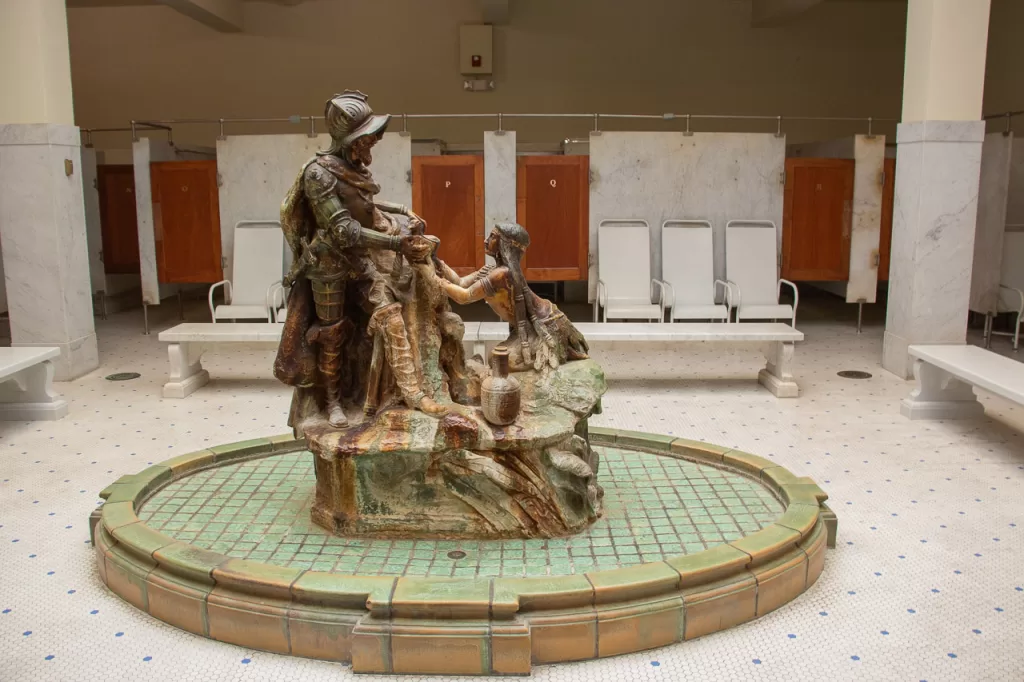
(937, 170)
(869, 160)
(42, 209)
(499, 178)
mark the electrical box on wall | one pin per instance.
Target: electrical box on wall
(475, 56)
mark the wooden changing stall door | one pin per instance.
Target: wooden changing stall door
(118, 219)
(885, 238)
(552, 203)
(816, 220)
(186, 217)
(448, 192)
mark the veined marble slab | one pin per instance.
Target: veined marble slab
(1015, 193)
(993, 191)
(93, 230)
(499, 178)
(144, 152)
(934, 215)
(869, 168)
(657, 176)
(228, 332)
(256, 171)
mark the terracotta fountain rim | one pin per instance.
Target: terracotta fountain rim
(400, 624)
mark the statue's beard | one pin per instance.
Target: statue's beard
(361, 158)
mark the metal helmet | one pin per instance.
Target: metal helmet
(350, 117)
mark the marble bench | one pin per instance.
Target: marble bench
(187, 343)
(26, 384)
(776, 339)
(946, 376)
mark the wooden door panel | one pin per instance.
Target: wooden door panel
(552, 203)
(187, 216)
(816, 220)
(118, 219)
(448, 192)
(885, 238)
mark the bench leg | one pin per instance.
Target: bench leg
(187, 373)
(939, 395)
(29, 395)
(777, 376)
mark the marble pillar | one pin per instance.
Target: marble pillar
(499, 178)
(42, 227)
(934, 214)
(993, 188)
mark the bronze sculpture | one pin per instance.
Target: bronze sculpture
(384, 396)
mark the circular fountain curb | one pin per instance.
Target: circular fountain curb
(496, 626)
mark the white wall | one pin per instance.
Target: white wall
(653, 56)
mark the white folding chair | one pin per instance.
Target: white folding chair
(688, 270)
(624, 284)
(751, 263)
(257, 266)
(1011, 287)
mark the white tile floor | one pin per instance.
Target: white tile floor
(927, 582)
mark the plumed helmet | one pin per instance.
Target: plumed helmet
(349, 117)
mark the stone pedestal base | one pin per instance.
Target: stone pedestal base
(406, 474)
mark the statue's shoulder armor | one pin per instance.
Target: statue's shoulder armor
(318, 181)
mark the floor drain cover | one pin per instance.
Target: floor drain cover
(854, 374)
(123, 376)
(456, 554)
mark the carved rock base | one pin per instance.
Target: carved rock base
(405, 474)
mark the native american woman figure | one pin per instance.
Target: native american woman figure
(541, 337)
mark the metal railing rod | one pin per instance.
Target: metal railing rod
(1003, 115)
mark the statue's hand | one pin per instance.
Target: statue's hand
(417, 225)
(416, 248)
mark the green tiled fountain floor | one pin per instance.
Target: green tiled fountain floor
(654, 507)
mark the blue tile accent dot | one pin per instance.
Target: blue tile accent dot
(951, 655)
(976, 631)
(653, 663)
(26, 633)
(757, 661)
(147, 658)
(118, 634)
(48, 658)
(885, 632)
(246, 661)
(791, 636)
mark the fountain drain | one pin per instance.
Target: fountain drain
(123, 376)
(854, 374)
(456, 554)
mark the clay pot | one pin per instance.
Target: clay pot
(500, 393)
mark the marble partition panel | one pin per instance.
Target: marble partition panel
(657, 176)
(144, 152)
(993, 188)
(43, 230)
(934, 214)
(866, 223)
(93, 229)
(256, 171)
(1015, 191)
(499, 178)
